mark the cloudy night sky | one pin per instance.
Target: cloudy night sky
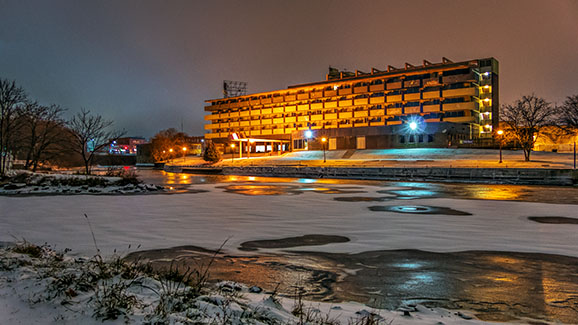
(148, 65)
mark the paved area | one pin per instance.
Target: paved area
(418, 157)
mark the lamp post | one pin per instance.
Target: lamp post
(171, 154)
(500, 134)
(232, 151)
(323, 140)
(184, 153)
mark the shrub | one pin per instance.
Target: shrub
(211, 153)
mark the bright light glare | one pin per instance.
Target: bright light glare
(308, 134)
(500, 132)
(413, 125)
(323, 139)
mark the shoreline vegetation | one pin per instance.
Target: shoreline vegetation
(116, 290)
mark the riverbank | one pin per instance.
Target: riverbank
(419, 164)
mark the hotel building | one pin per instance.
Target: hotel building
(431, 105)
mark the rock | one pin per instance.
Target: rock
(406, 310)
(255, 289)
(464, 316)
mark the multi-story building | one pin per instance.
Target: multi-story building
(431, 105)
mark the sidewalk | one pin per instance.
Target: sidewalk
(404, 158)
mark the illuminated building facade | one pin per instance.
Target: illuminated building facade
(431, 105)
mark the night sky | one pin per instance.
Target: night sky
(149, 65)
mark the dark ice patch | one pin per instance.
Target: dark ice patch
(362, 199)
(306, 240)
(418, 209)
(555, 220)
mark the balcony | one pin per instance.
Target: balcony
(361, 101)
(254, 112)
(394, 111)
(316, 127)
(412, 110)
(331, 104)
(330, 93)
(461, 119)
(289, 130)
(302, 96)
(255, 132)
(278, 99)
(378, 87)
(267, 121)
(278, 120)
(290, 108)
(279, 131)
(360, 113)
(225, 115)
(431, 108)
(394, 98)
(317, 106)
(431, 94)
(431, 82)
(345, 115)
(361, 89)
(234, 104)
(343, 126)
(377, 112)
(317, 117)
(415, 96)
(277, 110)
(411, 83)
(394, 122)
(211, 117)
(244, 113)
(459, 78)
(266, 111)
(234, 124)
(303, 107)
(266, 100)
(303, 118)
(291, 119)
(266, 132)
(344, 91)
(254, 102)
(255, 122)
(393, 85)
(346, 102)
(317, 94)
(332, 116)
(357, 125)
(290, 98)
(234, 114)
(244, 123)
(380, 123)
(471, 91)
(432, 120)
(211, 126)
(377, 100)
(459, 106)
(211, 135)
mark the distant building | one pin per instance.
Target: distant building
(431, 105)
(126, 146)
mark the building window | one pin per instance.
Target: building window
(402, 139)
(430, 138)
(420, 138)
(411, 138)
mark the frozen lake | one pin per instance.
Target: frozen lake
(205, 211)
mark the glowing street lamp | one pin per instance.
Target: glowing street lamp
(309, 134)
(413, 126)
(232, 151)
(323, 141)
(184, 153)
(500, 135)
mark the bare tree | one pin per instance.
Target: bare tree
(12, 97)
(569, 112)
(167, 144)
(90, 134)
(526, 118)
(41, 133)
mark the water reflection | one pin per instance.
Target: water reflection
(403, 190)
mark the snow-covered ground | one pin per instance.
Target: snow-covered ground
(208, 219)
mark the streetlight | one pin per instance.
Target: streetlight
(232, 151)
(184, 153)
(170, 155)
(323, 140)
(500, 133)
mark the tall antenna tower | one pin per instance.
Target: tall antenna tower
(234, 88)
